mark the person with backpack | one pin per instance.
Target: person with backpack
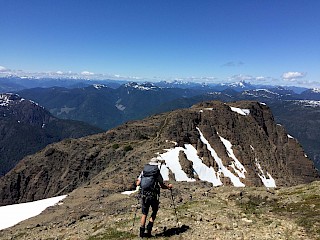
(150, 181)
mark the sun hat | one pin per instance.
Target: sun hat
(154, 161)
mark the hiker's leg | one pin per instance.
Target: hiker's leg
(145, 205)
(155, 208)
(143, 220)
(142, 226)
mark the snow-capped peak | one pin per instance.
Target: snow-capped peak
(99, 86)
(7, 98)
(142, 86)
(241, 84)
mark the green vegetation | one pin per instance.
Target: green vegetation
(115, 146)
(112, 233)
(128, 148)
(306, 211)
(301, 204)
(253, 205)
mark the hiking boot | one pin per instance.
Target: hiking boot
(142, 232)
(149, 229)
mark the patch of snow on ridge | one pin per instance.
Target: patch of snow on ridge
(268, 182)
(236, 165)
(131, 192)
(143, 86)
(316, 90)
(309, 103)
(171, 158)
(226, 172)
(243, 112)
(204, 172)
(99, 86)
(13, 214)
(5, 100)
(289, 136)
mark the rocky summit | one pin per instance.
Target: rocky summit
(230, 163)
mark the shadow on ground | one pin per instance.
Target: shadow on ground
(173, 231)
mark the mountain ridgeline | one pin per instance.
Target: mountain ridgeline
(100, 105)
(236, 144)
(27, 127)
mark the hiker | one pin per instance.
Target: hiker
(150, 181)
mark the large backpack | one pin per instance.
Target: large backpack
(149, 179)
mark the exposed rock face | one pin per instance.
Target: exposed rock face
(116, 157)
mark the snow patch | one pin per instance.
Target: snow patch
(175, 143)
(243, 112)
(222, 169)
(171, 158)
(309, 103)
(267, 181)
(289, 136)
(5, 100)
(13, 214)
(316, 90)
(236, 165)
(131, 192)
(99, 86)
(143, 87)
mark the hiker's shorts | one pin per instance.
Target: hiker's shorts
(147, 203)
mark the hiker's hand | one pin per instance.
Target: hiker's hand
(170, 186)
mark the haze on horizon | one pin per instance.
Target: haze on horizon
(263, 42)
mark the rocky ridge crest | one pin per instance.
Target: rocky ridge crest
(117, 156)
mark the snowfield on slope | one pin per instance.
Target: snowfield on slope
(13, 214)
(204, 172)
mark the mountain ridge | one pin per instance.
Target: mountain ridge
(263, 148)
(26, 127)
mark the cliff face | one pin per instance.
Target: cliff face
(224, 144)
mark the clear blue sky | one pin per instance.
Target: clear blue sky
(268, 41)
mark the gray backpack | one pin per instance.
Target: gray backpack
(149, 179)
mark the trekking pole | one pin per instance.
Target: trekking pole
(135, 212)
(174, 206)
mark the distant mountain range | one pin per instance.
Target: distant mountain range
(113, 103)
(15, 83)
(26, 127)
(103, 106)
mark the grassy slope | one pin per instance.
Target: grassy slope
(203, 213)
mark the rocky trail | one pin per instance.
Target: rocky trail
(203, 212)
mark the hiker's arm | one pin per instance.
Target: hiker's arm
(163, 185)
(139, 179)
(138, 182)
(167, 186)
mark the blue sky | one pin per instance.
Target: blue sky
(259, 41)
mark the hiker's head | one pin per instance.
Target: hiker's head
(154, 161)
